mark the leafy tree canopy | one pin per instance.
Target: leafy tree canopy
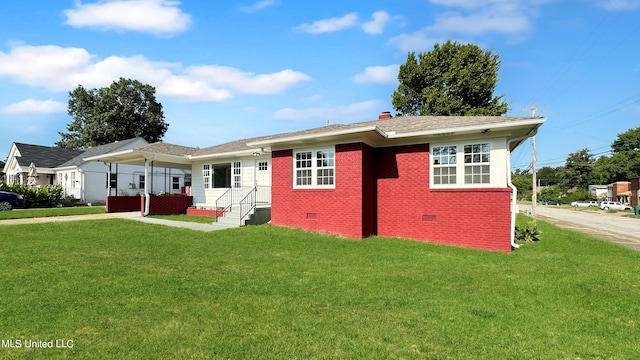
(124, 110)
(578, 170)
(627, 141)
(548, 176)
(452, 79)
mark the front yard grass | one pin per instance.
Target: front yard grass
(129, 290)
(48, 212)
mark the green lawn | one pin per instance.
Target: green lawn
(48, 212)
(122, 289)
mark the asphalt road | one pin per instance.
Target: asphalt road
(608, 226)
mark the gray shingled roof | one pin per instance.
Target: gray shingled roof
(399, 125)
(44, 156)
(97, 150)
(167, 149)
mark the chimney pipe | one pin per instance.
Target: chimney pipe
(384, 115)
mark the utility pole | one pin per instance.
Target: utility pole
(534, 197)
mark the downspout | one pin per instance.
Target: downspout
(147, 200)
(514, 190)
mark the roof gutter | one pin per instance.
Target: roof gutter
(474, 128)
(514, 190)
(316, 136)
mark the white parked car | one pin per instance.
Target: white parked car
(613, 205)
(584, 204)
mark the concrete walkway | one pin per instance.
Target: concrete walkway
(135, 215)
(185, 224)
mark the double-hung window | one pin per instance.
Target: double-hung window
(444, 164)
(461, 165)
(477, 160)
(314, 168)
(206, 176)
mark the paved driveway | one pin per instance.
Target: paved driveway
(608, 226)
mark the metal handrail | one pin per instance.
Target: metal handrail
(251, 197)
(230, 197)
(247, 206)
(224, 202)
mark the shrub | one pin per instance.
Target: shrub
(527, 235)
(44, 196)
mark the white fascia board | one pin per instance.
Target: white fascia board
(100, 157)
(240, 153)
(127, 156)
(316, 136)
(496, 126)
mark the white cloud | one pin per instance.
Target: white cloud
(246, 82)
(330, 25)
(469, 18)
(32, 106)
(418, 41)
(160, 17)
(619, 5)
(378, 75)
(258, 6)
(375, 26)
(357, 111)
(33, 130)
(505, 18)
(63, 69)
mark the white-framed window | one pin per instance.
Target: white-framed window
(222, 175)
(237, 174)
(314, 168)
(206, 176)
(263, 166)
(448, 171)
(444, 164)
(477, 160)
(141, 182)
(175, 183)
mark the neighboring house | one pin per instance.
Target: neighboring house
(2, 177)
(619, 191)
(439, 179)
(87, 181)
(599, 192)
(635, 191)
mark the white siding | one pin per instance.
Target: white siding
(207, 197)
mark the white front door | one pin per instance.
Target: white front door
(263, 172)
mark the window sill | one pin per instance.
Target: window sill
(326, 189)
(474, 189)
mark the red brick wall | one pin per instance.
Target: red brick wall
(478, 218)
(122, 203)
(634, 187)
(386, 191)
(169, 205)
(337, 211)
(205, 212)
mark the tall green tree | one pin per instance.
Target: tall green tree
(523, 182)
(624, 163)
(578, 170)
(627, 141)
(451, 79)
(124, 110)
(548, 176)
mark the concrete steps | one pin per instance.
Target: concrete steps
(256, 216)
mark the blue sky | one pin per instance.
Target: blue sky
(226, 70)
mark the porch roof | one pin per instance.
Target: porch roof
(162, 154)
